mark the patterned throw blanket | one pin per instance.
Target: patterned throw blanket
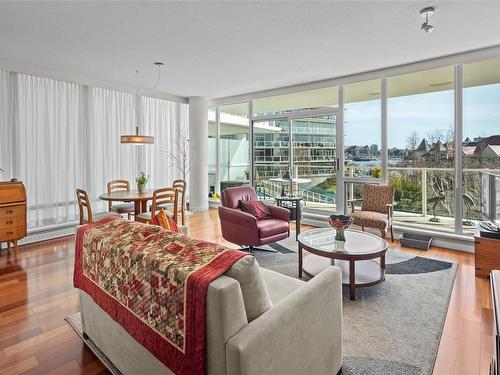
(154, 284)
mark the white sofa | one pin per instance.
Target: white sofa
(300, 331)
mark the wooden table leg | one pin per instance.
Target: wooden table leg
(144, 206)
(137, 209)
(300, 261)
(352, 280)
(15, 248)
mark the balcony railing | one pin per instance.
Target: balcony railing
(424, 196)
(297, 158)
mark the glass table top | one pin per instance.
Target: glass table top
(357, 242)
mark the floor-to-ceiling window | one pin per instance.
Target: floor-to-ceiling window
(295, 138)
(481, 134)
(271, 145)
(234, 145)
(400, 127)
(420, 116)
(314, 160)
(362, 136)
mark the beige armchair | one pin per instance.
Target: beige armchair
(376, 210)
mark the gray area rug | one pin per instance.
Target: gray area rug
(393, 328)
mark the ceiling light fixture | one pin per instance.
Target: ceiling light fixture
(426, 12)
(137, 138)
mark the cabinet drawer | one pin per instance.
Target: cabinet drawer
(18, 212)
(9, 222)
(12, 233)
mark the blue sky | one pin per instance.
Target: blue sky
(422, 114)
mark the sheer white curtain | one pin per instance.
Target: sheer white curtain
(57, 136)
(168, 122)
(110, 114)
(6, 131)
(48, 153)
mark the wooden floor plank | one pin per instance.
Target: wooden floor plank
(36, 293)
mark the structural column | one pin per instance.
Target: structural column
(198, 153)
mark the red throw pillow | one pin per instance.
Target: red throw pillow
(165, 221)
(256, 208)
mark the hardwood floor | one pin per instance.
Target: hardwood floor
(36, 294)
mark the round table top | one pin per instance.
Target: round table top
(357, 243)
(127, 195)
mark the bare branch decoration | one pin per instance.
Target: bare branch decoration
(180, 156)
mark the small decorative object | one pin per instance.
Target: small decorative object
(216, 197)
(340, 223)
(142, 180)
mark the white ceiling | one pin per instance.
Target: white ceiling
(217, 49)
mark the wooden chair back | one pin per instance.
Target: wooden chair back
(165, 196)
(117, 185)
(180, 185)
(84, 205)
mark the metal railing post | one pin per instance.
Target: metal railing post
(424, 192)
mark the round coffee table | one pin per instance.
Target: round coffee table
(358, 259)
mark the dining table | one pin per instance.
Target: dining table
(140, 199)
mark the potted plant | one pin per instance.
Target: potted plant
(142, 180)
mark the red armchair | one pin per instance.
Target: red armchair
(245, 230)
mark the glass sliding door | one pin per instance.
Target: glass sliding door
(481, 134)
(314, 160)
(420, 117)
(271, 143)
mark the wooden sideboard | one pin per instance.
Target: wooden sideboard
(486, 254)
(13, 224)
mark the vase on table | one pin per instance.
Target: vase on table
(141, 188)
(340, 223)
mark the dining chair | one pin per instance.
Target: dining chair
(165, 197)
(121, 208)
(180, 185)
(85, 209)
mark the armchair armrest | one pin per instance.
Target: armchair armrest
(390, 210)
(308, 321)
(237, 216)
(280, 213)
(238, 227)
(352, 201)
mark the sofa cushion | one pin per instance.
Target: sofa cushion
(165, 221)
(256, 208)
(271, 227)
(255, 295)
